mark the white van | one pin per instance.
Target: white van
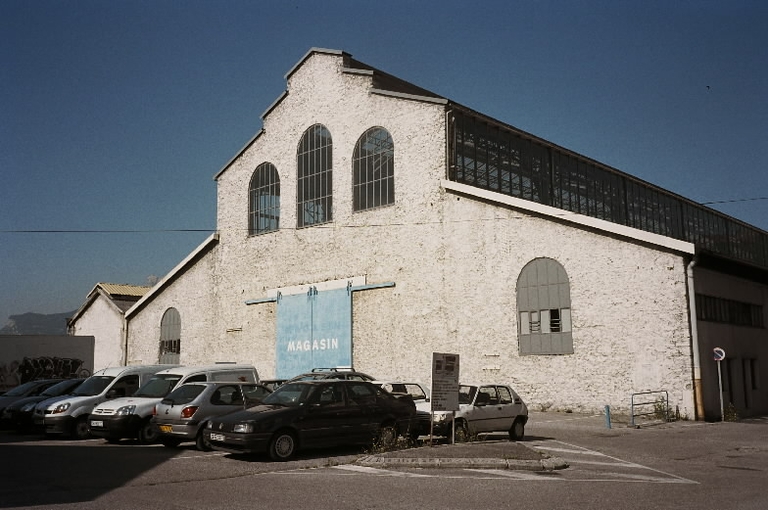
(131, 416)
(69, 416)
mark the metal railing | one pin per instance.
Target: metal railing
(643, 405)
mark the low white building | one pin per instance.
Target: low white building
(372, 223)
(102, 316)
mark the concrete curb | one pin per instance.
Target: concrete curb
(550, 464)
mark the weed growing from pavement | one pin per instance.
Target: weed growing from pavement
(730, 413)
(401, 443)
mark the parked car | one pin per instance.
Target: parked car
(272, 384)
(131, 417)
(420, 425)
(308, 414)
(27, 389)
(181, 416)
(19, 414)
(332, 373)
(416, 391)
(484, 408)
(69, 416)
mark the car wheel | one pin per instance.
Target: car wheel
(170, 442)
(80, 429)
(387, 435)
(517, 432)
(461, 432)
(201, 442)
(148, 434)
(282, 446)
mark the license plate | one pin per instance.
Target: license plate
(97, 423)
(217, 437)
(166, 428)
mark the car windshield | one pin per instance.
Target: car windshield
(20, 391)
(61, 388)
(290, 394)
(467, 394)
(184, 394)
(159, 386)
(93, 385)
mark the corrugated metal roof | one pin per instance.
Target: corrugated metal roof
(120, 289)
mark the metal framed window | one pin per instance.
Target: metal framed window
(373, 170)
(544, 308)
(497, 157)
(264, 200)
(314, 195)
(170, 337)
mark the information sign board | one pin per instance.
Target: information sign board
(445, 382)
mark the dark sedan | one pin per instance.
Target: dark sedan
(28, 389)
(19, 413)
(309, 414)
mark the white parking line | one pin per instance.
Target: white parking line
(380, 472)
(577, 451)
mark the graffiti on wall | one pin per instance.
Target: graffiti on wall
(40, 367)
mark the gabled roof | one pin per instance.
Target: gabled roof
(177, 271)
(381, 83)
(121, 296)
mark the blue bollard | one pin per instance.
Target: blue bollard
(607, 417)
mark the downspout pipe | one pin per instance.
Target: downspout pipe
(697, 391)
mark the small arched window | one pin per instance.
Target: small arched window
(314, 195)
(170, 337)
(544, 308)
(264, 200)
(373, 170)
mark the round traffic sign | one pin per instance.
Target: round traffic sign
(719, 353)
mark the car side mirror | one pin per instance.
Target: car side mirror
(111, 394)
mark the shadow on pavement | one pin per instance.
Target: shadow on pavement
(50, 474)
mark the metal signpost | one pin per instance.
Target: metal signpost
(719, 355)
(445, 386)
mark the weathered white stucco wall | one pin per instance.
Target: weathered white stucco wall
(104, 322)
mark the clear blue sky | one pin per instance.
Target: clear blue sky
(115, 116)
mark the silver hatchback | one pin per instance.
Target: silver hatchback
(181, 416)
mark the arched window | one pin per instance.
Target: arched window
(373, 170)
(544, 308)
(170, 337)
(264, 200)
(314, 196)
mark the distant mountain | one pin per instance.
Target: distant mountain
(37, 324)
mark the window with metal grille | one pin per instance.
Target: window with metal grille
(264, 200)
(544, 308)
(494, 156)
(170, 337)
(314, 195)
(729, 311)
(373, 169)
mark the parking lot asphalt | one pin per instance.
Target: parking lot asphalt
(496, 451)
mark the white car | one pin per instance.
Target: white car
(484, 408)
(420, 394)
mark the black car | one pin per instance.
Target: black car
(18, 415)
(28, 389)
(332, 373)
(308, 414)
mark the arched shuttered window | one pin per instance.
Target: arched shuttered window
(170, 337)
(544, 308)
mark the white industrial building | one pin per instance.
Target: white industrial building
(372, 223)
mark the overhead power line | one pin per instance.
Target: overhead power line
(734, 200)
